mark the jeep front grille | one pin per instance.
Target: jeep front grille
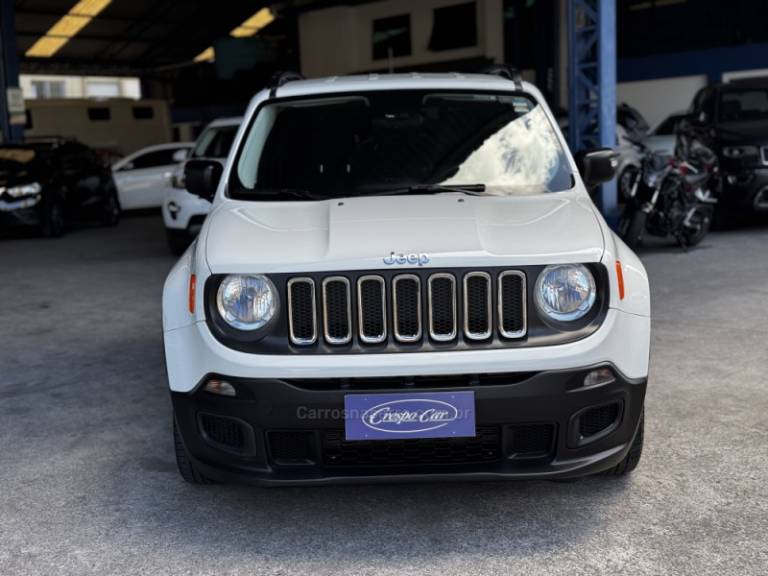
(512, 313)
(408, 308)
(302, 311)
(372, 309)
(337, 310)
(442, 307)
(477, 306)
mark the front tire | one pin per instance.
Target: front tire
(186, 468)
(632, 459)
(626, 181)
(53, 220)
(110, 209)
(693, 236)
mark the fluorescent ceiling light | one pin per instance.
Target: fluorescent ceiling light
(89, 7)
(46, 47)
(66, 27)
(206, 55)
(255, 23)
(250, 27)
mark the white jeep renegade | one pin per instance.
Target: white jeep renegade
(404, 277)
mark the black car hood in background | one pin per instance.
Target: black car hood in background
(743, 132)
(12, 173)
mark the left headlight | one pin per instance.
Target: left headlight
(739, 151)
(565, 292)
(246, 302)
(32, 189)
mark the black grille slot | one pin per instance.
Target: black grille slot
(530, 440)
(596, 420)
(302, 311)
(406, 302)
(372, 311)
(483, 448)
(512, 320)
(477, 306)
(442, 307)
(223, 431)
(337, 306)
(291, 447)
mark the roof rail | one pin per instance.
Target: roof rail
(505, 71)
(280, 78)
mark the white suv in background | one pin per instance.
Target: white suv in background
(143, 177)
(183, 213)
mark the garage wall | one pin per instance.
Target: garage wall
(115, 129)
(656, 99)
(325, 51)
(761, 73)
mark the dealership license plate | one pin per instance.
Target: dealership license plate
(409, 415)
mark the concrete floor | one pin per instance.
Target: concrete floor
(88, 483)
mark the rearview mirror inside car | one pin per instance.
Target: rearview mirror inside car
(597, 165)
(202, 177)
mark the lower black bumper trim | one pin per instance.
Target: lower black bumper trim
(265, 407)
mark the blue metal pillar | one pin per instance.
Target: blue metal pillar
(9, 69)
(592, 84)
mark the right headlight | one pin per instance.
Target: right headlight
(565, 292)
(739, 151)
(246, 302)
(32, 189)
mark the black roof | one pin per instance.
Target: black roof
(129, 36)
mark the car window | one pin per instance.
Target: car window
(154, 159)
(364, 143)
(215, 142)
(743, 105)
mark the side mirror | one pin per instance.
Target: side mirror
(597, 166)
(180, 155)
(202, 177)
(126, 167)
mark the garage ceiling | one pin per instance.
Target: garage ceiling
(129, 36)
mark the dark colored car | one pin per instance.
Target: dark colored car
(51, 183)
(732, 120)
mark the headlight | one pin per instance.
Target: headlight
(32, 189)
(246, 302)
(739, 151)
(565, 292)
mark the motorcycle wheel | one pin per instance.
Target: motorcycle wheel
(635, 229)
(702, 220)
(625, 182)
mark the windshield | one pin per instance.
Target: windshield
(215, 142)
(376, 142)
(736, 106)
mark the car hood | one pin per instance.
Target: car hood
(451, 230)
(745, 132)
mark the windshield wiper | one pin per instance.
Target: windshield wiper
(470, 189)
(295, 192)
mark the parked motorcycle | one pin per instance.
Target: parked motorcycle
(672, 197)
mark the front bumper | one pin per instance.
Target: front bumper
(183, 211)
(529, 425)
(745, 190)
(21, 211)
